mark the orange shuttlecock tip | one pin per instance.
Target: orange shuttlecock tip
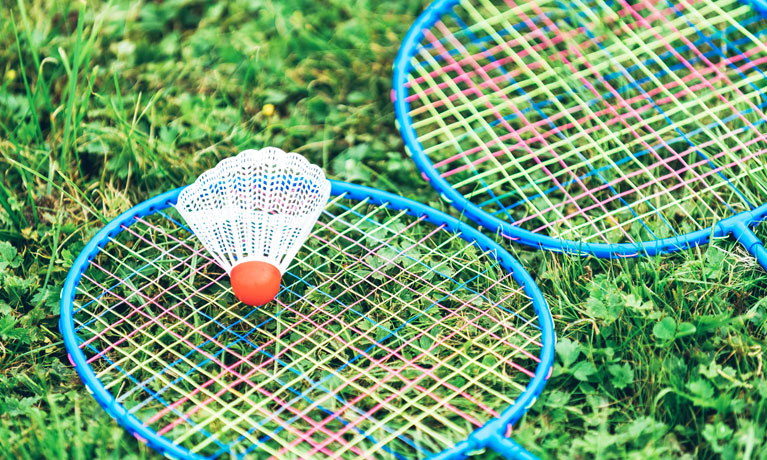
(255, 283)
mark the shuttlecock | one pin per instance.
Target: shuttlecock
(253, 212)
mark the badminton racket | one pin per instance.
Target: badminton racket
(399, 332)
(611, 128)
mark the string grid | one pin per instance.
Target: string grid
(596, 121)
(392, 338)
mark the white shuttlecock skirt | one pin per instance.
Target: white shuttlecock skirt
(260, 205)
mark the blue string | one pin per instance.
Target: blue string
(389, 335)
(111, 288)
(122, 281)
(473, 38)
(362, 355)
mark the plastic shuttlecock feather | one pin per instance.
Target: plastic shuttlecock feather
(253, 213)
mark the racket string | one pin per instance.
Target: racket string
(362, 259)
(198, 404)
(197, 366)
(614, 112)
(617, 96)
(639, 195)
(536, 137)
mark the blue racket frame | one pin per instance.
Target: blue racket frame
(491, 435)
(738, 226)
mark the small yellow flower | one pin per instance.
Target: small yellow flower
(10, 75)
(268, 110)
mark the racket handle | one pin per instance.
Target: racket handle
(750, 241)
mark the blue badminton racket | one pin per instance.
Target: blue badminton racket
(611, 128)
(399, 332)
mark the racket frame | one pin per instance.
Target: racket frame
(739, 226)
(492, 434)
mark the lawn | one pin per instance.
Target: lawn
(105, 105)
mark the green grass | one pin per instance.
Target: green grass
(105, 106)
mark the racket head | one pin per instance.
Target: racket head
(402, 95)
(106, 359)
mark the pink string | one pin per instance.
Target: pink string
(445, 292)
(191, 345)
(708, 62)
(503, 78)
(670, 175)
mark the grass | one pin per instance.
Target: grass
(105, 105)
